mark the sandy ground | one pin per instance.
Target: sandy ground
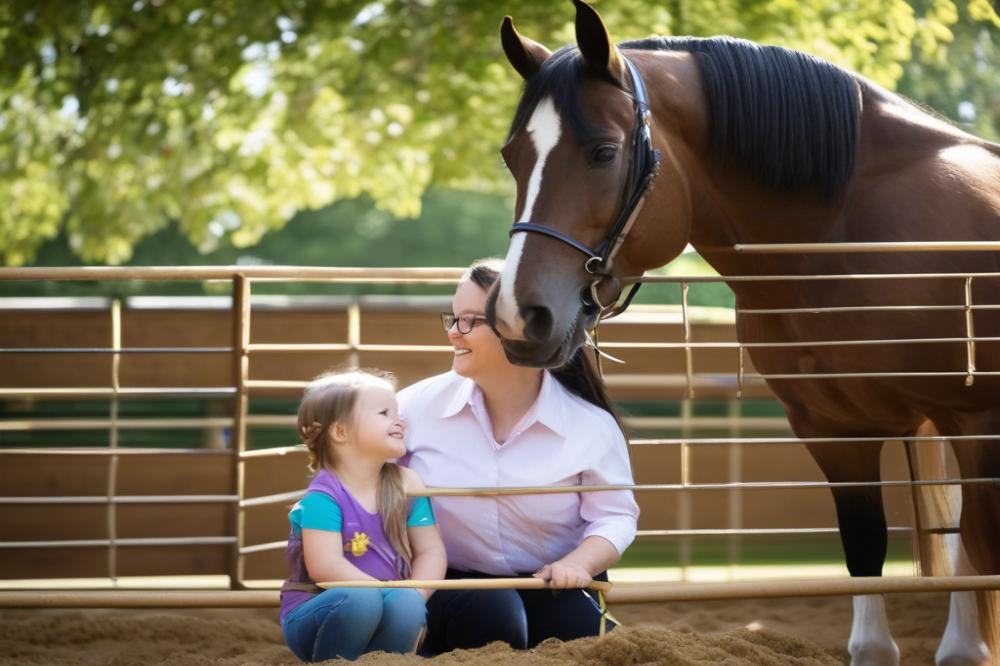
(781, 631)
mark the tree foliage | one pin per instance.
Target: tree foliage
(227, 117)
(453, 229)
(963, 82)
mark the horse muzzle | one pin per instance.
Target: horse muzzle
(544, 355)
(548, 336)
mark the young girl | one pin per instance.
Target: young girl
(355, 523)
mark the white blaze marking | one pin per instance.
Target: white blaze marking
(506, 302)
(544, 129)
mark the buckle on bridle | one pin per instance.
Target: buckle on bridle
(600, 268)
(594, 299)
(593, 266)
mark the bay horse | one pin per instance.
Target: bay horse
(746, 143)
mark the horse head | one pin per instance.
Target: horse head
(582, 154)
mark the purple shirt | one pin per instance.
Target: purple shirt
(365, 543)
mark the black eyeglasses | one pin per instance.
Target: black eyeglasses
(466, 322)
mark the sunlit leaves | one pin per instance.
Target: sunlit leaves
(227, 117)
(966, 85)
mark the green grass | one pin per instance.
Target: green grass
(769, 550)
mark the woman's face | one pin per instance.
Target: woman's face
(478, 352)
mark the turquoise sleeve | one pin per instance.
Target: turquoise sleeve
(316, 511)
(421, 513)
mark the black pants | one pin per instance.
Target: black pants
(521, 618)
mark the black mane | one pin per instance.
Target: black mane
(788, 119)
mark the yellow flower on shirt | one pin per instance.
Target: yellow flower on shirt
(358, 546)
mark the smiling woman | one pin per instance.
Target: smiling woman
(491, 423)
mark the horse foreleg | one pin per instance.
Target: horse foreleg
(871, 641)
(861, 519)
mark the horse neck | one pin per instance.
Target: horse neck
(889, 196)
(725, 206)
(729, 208)
(895, 132)
(898, 146)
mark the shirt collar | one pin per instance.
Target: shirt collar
(461, 398)
(549, 407)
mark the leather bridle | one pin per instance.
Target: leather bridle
(644, 164)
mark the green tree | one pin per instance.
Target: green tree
(227, 118)
(452, 229)
(964, 82)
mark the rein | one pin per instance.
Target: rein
(644, 164)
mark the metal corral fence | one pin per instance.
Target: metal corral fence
(694, 433)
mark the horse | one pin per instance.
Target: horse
(623, 154)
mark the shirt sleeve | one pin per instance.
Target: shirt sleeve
(611, 515)
(316, 511)
(421, 513)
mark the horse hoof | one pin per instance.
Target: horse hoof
(978, 656)
(875, 655)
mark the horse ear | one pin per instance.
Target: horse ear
(525, 55)
(595, 44)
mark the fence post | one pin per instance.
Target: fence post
(970, 345)
(685, 501)
(354, 332)
(112, 516)
(734, 547)
(238, 437)
(688, 365)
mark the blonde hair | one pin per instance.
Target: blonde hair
(331, 398)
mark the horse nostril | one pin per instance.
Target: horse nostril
(537, 322)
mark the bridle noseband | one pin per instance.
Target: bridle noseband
(644, 163)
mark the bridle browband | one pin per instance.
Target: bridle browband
(644, 164)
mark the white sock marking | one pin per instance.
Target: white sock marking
(962, 642)
(871, 642)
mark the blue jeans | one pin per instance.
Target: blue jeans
(348, 622)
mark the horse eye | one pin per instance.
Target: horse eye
(604, 154)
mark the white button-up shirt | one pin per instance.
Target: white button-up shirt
(563, 440)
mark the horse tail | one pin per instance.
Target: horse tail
(937, 510)
(989, 622)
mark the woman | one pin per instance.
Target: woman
(489, 423)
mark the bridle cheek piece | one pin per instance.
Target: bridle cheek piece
(644, 164)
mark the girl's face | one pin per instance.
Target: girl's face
(477, 352)
(378, 430)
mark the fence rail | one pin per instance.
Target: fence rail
(240, 350)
